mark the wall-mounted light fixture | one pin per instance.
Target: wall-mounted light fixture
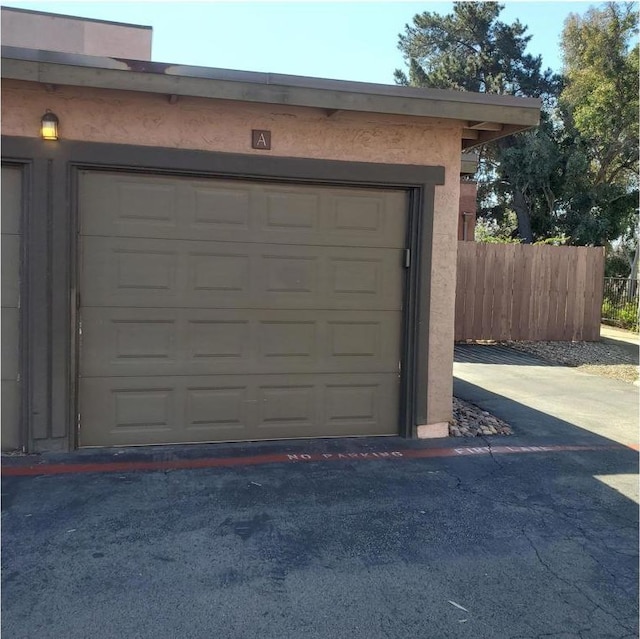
(49, 126)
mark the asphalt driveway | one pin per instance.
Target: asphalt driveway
(543, 401)
(325, 539)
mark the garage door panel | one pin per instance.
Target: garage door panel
(218, 408)
(165, 273)
(231, 211)
(289, 209)
(153, 204)
(225, 208)
(128, 205)
(353, 403)
(132, 342)
(131, 412)
(232, 408)
(222, 310)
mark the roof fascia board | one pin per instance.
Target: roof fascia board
(257, 77)
(111, 73)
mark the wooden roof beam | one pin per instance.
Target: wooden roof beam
(470, 134)
(485, 126)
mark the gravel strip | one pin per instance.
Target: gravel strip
(471, 421)
(597, 358)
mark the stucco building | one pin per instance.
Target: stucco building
(216, 255)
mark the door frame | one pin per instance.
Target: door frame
(52, 257)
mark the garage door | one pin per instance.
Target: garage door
(221, 310)
(11, 213)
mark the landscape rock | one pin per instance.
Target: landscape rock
(471, 421)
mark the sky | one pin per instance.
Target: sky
(338, 40)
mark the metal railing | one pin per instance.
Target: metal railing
(620, 302)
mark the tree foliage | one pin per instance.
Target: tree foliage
(573, 176)
(600, 108)
(471, 50)
(601, 92)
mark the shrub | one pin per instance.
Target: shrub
(623, 315)
(608, 309)
(628, 315)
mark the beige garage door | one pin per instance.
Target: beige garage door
(11, 213)
(219, 310)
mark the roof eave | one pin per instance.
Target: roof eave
(333, 95)
(490, 136)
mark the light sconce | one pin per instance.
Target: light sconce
(49, 127)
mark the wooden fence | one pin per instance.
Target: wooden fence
(528, 292)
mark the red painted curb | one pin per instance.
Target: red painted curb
(183, 464)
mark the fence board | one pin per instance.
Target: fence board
(528, 292)
(531, 320)
(486, 317)
(522, 307)
(468, 293)
(576, 311)
(506, 294)
(553, 295)
(593, 320)
(477, 308)
(568, 295)
(462, 286)
(545, 301)
(559, 329)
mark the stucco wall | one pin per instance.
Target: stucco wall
(98, 115)
(74, 35)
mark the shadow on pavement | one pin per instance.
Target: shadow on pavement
(630, 350)
(530, 425)
(575, 354)
(492, 354)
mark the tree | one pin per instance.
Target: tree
(575, 176)
(600, 101)
(601, 92)
(471, 50)
(525, 174)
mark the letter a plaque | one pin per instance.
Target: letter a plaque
(261, 139)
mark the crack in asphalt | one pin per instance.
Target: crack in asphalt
(564, 511)
(488, 443)
(577, 633)
(614, 576)
(571, 584)
(589, 539)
